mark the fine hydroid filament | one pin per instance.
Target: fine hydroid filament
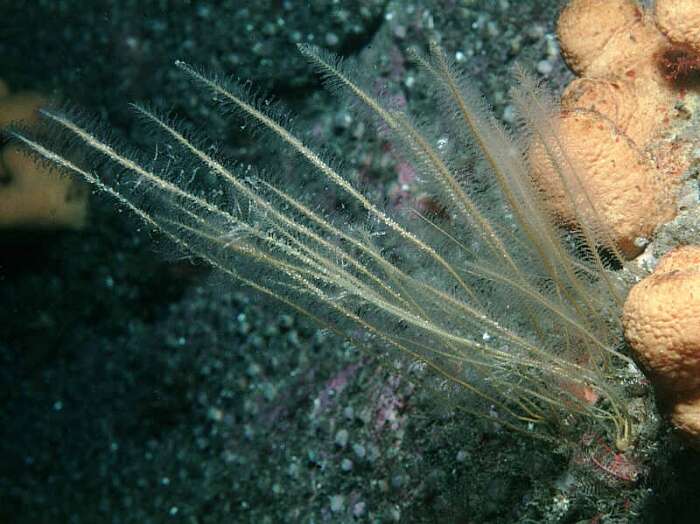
(490, 294)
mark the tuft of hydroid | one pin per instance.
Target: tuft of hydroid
(489, 294)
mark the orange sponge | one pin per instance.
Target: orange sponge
(618, 120)
(35, 197)
(20, 107)
(679, 20)
(31, 195)
(636, 108)
(608, 171)
(586, 26)
(661, 320)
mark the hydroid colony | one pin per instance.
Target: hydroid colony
(488, 292)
